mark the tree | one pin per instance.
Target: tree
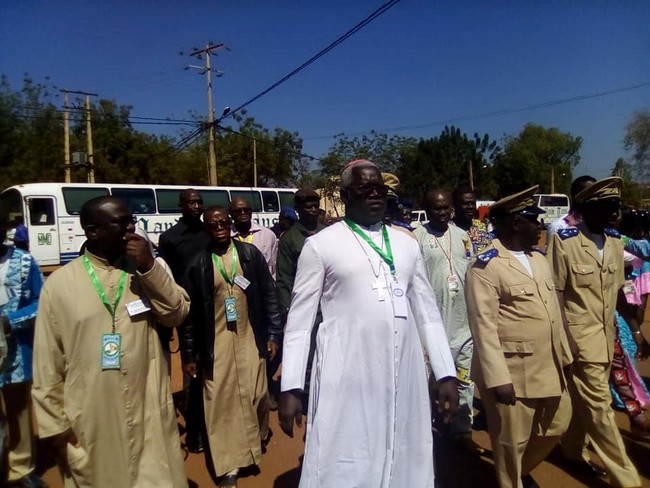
(637, 139)
(632, 191)
(29, 134)
(387, 152)
(537, 156)
(445, 161)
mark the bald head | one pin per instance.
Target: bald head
(106, 221)
(439, 208)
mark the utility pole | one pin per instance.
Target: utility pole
(89, 144)
(255, 163)
(66, 139)
(207, 70)
(90, 162)
(470, 171)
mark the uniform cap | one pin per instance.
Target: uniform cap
(392, 182)
(601, 190)
(518, 203)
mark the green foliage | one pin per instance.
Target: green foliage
(632, 190)
(31, 146)
(445, 162)
(534, 156)
(637, 140)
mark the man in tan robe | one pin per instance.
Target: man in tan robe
(101, 389)
(233, 326)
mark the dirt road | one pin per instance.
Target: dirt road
(280, 467)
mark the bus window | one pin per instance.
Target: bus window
(553, 201)
(41, 211)
(270, 199)
(168, 201)
(286, 198)
(12, 204)
(251, 196)
(138, 200)
(215, 197)
(74, 198)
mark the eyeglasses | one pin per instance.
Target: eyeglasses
(218, 224)
(243, 210)
(366, 190)
(125, 221)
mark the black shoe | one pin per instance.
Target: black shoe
(529, 482)
(587, 468)
(29, 481)
(194, 445)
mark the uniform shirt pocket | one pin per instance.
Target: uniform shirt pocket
(517, 346)
(550, 284)
(585, 274)
(521, 291)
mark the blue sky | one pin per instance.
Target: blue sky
(420, 63)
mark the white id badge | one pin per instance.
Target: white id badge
(398, 292)
(138, 306)
(242, 282)
(628, 287)
(453, 282)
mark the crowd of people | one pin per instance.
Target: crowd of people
(383, 333)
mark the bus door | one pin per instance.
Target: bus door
(41, 225)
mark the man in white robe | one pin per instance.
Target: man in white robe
(101, 385)
(369, 419)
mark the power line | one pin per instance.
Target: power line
(551, 103)
(384, 8)
(253, 138)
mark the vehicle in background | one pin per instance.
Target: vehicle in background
(419, 217)
(51, 211)
(556, 205)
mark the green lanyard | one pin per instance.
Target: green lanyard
(387, 255)
(100, 289)
(217, 262)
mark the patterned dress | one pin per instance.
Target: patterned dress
(22, 284)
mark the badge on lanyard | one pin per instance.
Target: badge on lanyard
(231, 309)
(111, 351)
(400, 307)
(452, 282)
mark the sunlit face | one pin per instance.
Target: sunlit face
(439, 209)
(191, 204)
(241, 211)
(466, 206)
(365, 198)
(217, 225)
(111, 224)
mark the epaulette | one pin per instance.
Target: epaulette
(567, 232)
(539, 250)
(613, 233)
(486, 256)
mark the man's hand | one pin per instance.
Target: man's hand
(272, 349)
(573, 347)
(190, 369)
(61, 441)
(137, 248)
(642, 346)
(6, 326)
(290, 410)
(504, 394)
(448, 398)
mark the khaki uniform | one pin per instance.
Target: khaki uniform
(590, 286)
(519, 339)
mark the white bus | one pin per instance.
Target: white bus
(51, 211)
(555, 204)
